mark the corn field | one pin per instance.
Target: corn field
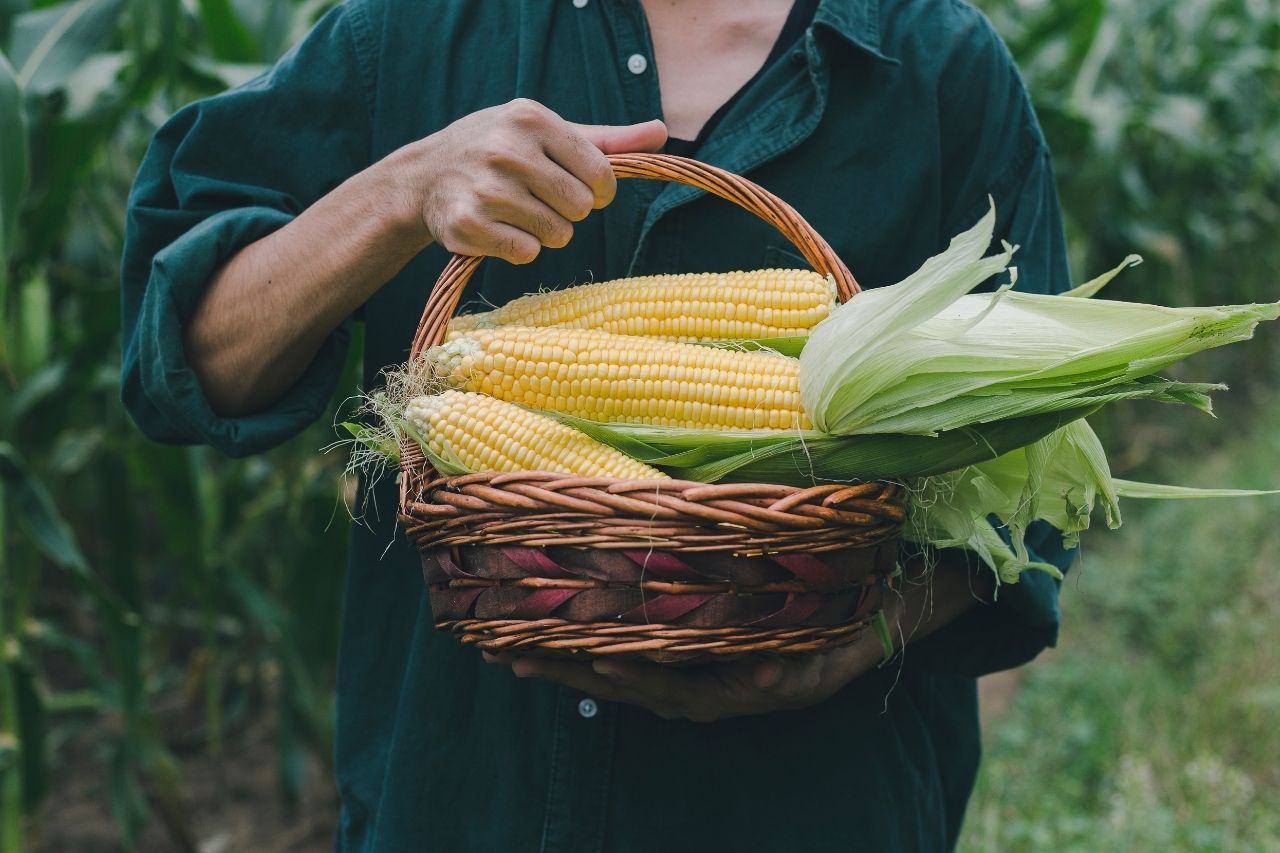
(156, 600)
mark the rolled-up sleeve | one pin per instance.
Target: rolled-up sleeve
(219, 175)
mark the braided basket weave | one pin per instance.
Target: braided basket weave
(669, 570)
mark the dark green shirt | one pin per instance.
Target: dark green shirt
(887, 125)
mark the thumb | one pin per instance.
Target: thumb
(625, 138)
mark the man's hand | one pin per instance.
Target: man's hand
(505, 181)
(929, 600)
(713, 692)
(510, 179)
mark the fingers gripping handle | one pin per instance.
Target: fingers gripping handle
(444, 297)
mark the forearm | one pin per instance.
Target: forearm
(930, 598)
(269, 308)
(504, 182)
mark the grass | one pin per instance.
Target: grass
(1156, 723)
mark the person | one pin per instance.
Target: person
(331, 190)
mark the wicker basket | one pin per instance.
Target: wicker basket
(672, 571)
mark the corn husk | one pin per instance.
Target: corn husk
(809, 458)
(1061, 478)
(925, 355)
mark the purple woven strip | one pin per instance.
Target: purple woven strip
(454, 603)
(534, 562)
(812, 571)
(541, 604)
(868, 599)
(794, 612)
(663, 565)
(665, 608)
(444, 556)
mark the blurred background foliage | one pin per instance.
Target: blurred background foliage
(147, 590)
(155, 601)
(1156, 723)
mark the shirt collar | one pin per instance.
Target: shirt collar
(856, 21)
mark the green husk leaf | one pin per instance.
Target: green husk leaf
(931, 356)
(1160, 491)
(790, 346)
(449, 467)
(1058, 479)
(374, 439)
(806, 458)
(881, 316)
(1012, 401)
(1091, 287)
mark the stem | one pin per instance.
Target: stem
(10, 771)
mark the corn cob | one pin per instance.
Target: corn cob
(686, 307)
(483, 434)
(622, 379)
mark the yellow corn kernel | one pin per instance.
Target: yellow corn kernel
(686, 307)
(623, 379)
(483, 434)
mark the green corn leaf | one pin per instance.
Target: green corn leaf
(228, 37)
(50, 531)
(13, 173)
(876, 318)
(49, 45)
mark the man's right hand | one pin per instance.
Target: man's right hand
(505, 181)
(508, 180)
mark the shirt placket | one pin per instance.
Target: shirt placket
(617, 67)
(583, 739)
(582, 748)
(742, 142)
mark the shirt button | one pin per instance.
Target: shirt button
(637, 64)
(579, 4)
(588, 708)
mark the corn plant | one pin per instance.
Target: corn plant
(159, 572)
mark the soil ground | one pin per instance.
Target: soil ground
(232, 804)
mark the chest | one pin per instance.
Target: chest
(831, 131)
(706, 50)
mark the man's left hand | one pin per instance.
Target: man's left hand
(927, 600)
(714, 691)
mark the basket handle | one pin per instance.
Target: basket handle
(661, 167)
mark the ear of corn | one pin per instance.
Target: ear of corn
(480, 433)
(621, 379)
(926, 355)
(689, 307)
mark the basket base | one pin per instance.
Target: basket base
(668, 644)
